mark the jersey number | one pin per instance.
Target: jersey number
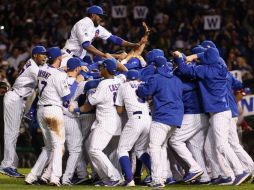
(44, 83)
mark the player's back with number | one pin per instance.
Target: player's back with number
(104, 98)
(52, 85)
(127, 94)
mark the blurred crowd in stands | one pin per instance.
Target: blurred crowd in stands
(174, 25)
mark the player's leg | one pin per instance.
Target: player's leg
(73, 138)
(196, 145)
(98, 140)
(220, 123)
(178, 143)
(234, 142)
(129, 136)
(159, 135)
(13, 109)
(46, 153)
(53, 117)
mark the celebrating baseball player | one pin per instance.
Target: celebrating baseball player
(14, 104)
(53, 91)
(85, 31)
(166, 91)
(136, 130)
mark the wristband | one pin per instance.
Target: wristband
(77, 110)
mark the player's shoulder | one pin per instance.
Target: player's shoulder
(121, 78)
(85, 21)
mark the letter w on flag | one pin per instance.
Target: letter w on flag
(119, 11)
(212, 22)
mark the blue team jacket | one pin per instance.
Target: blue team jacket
(232, 85)
(191, 95)
(212, 83)
(166, 90)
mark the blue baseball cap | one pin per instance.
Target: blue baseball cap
(54, 52)
(210, 56)
(150, 56)
(133, 74)
(39, 50)
(95, 9)
(198, 49)
(110, 64)
(73, 63)
(160, 61)
(208, 44)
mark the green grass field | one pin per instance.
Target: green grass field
(18, 184)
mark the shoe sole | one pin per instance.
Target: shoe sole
(4, 173)
(194, 177)
(242, 180)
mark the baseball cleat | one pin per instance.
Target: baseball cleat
(170, 181)
(241, 178)
(12, 172)
(128, 183)
(223, 181)
(192, 176)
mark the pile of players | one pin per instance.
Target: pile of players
(178, 118)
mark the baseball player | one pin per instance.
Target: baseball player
(107, 122)
(85, 31)
(192, 132)
(166, 91)
(14, 104)
(136, 131)
(212, 83)
(73, 134)
(245, 159)
(53, 91)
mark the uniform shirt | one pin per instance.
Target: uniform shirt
(74, 99)
(212, 83)
(52, 85)
(104, 98)
(27, 79)
(84, 31)
(127, 97)
(166, 90)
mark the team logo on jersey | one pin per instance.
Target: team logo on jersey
(97, 33)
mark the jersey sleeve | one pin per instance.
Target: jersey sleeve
(98, 96)
(103, 33)
(84, 34)
(119, 97)
(61, 85)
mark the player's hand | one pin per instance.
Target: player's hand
(190, 58)
(147, 30)
(177, 54)
(84, 68)
(80, 78)
(71, 108)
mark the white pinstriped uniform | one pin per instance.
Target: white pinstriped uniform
(14, 104)
(234, 142)
(52, 84)
(192, 132)
(136, 131)
(73, 134)
(219, 125)
(83, 31)
(106, 125)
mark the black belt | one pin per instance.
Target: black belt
(46, 105)
(24, 98)
(137, 112)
